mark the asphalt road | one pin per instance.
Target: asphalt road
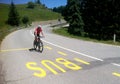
(63, 61)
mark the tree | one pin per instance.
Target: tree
(13, 16)
(44, 5)
(102, 18)
(72, 15)
(31, 5)
(116, 17)
(38, 2)
(25, 20)
(58, 9)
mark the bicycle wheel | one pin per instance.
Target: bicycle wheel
(41, 46)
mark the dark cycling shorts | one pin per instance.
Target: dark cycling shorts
(37, 34)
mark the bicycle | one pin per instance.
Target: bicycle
(38, 44)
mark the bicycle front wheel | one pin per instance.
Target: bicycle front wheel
(41, 46)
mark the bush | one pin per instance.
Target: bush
(25, 20)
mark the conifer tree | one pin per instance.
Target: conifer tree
(13, 16)
(72, 15)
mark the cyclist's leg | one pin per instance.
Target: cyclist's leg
(35, 42)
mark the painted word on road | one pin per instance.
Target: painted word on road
(40, 72)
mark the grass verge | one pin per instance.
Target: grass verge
(63, 31)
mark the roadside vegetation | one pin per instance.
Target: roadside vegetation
(93, 19)
(64, 32)
(26, 16)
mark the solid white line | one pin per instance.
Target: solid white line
(116, 64)
(73, 51)
(69, 49)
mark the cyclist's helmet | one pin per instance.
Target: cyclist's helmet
(39, 26)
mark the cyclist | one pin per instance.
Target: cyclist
(37, 33)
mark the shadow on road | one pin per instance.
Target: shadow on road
(95, 64)
(32, 49)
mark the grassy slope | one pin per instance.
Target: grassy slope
(3, 14)
(37, 14)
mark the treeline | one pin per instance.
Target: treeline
(99, 19)
(58, 9)
(33, 4)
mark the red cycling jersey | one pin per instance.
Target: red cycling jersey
(38, 30)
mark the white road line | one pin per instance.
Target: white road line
(116, 64)
(73, 51)
(69, 49)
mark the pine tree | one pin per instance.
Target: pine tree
(13, 16)
(72, 15)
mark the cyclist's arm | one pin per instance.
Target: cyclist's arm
(42, 33)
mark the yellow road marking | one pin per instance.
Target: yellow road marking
(44, 62)
(39, 71)
(116, 74)
(62, 53)
(82, 61)
(19, 49)
(48, 47)
(68, 64)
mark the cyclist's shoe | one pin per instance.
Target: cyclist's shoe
(34, 48)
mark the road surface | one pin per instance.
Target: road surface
(63, 61)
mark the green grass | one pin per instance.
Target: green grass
(3, 14)
(63, 31)
(39, 13)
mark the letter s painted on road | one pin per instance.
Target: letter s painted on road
(33, 66)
